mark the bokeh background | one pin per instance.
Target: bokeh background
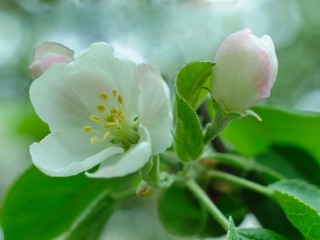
(164, 33)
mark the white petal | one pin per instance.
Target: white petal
(128, 162)
(87, 85)
(55, 102)
(268, 44)
(66, 95)
(154, 107)
(68, 153)
(118, 74)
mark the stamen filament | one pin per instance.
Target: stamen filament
(105, 136)
(108, 125)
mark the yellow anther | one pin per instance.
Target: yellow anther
(114, 93)
(94, 140)
(95, 118)
(106, 135)
(87, 129)
(103, 96)
(100, 108)
(108, 125)
(113, 110)
(120, 99)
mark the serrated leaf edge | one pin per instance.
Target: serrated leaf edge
(290, 213)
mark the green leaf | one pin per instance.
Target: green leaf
(232, 233)
(181, 213)
(37, 201)
(258, 234)
(29, 123)
(275, 220)
(278, 126)
(300, 202)
(251, 233)
(292, 163)
(24, 121)
(190, 82)
(188, 139)
(189, 93)
(92, 223)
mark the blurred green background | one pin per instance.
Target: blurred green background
(164, 33)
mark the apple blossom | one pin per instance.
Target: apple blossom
(100, 110)
(47, 55)
(245, 71)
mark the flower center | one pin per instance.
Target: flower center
(114, 126)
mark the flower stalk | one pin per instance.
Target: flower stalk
(241, 182)
(206, 201)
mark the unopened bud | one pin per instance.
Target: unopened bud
(245, 71)
(47, 55)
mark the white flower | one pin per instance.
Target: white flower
(100, 109)
(245, 71)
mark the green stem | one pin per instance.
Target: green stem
(243, 163)
(186, 169)
(241, 182)
(206, 201)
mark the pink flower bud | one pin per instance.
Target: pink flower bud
(245, 70)
(47, 55)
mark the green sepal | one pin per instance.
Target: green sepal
(221, 120)
(249, 112)
(151, 174)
